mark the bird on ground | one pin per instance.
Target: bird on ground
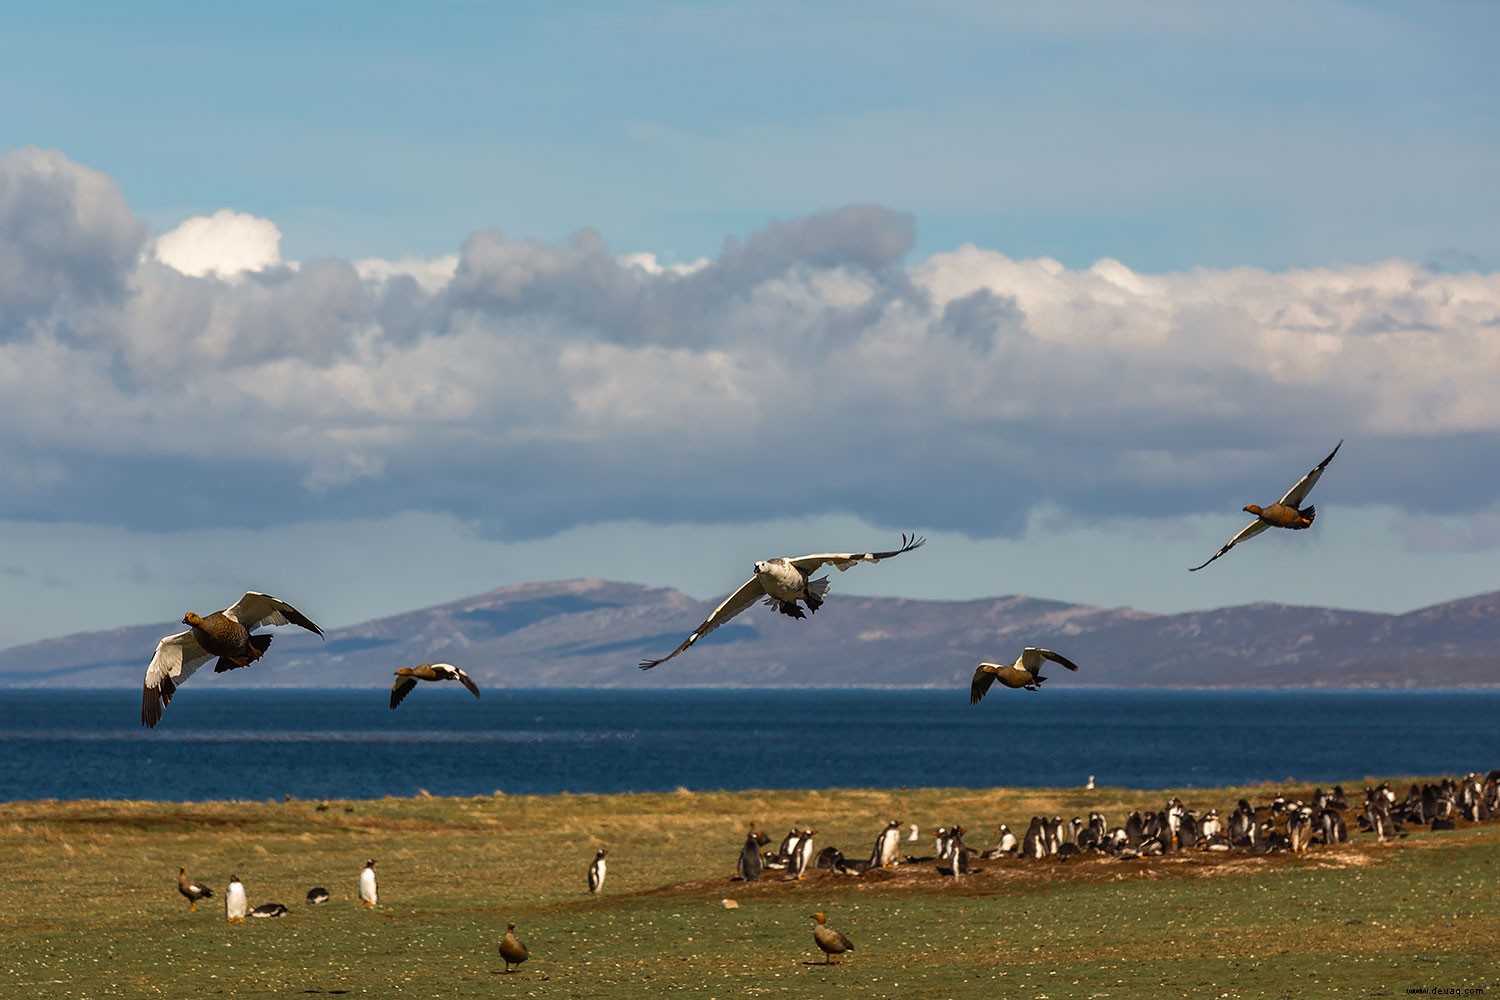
(317, 895)
(1287, 512)
(1024, 673)
(269, 910)
(888, 844)
(782, 582)
(223, 634)
(830, 942)
(596, 872)
(367, 893)
(194, 891)
(407, 677)
(512, 950)
(234, 901)
(750, 863)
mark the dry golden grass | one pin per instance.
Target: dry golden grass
(89, 907)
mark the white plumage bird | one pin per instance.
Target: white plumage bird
(597, 871)
(783, 582)
(234, 901)
(1024, 673)
(367, 893)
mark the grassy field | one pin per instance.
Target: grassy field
(89, 906)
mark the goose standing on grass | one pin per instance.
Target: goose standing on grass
(234, 901)
(512, 950)
(783, 582)
(407, 677)
(367, 894)
(194, 891)
(829, 941)
(1024, 673)
(597, 872)
(223, 634)
(1287, 512)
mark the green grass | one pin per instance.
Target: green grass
(89, 907)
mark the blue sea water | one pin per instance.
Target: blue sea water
(264, 744)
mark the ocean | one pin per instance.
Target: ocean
(266, 744)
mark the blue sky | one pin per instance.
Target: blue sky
(1061, 288)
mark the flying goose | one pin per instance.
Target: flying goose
(223, 634)
(783, 582)
(407, 677)
(1024, 673)
(1287, 512)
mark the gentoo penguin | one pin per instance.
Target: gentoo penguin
(367, 884)
(887, 844)
(829, 941)
(512, 950)
(1006, 846)
(194, 891)
(318, 895)
(596, 873)
(1034, 843)
(269, 910)
(912, 836)
(234, 901)
(802, 855)
(942, 843)
(959, 855)
(788, 845)
(750, 863)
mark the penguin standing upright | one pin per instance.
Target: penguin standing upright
(751, 863)
(367, 884)
(888, 844)
(802, 854)
(234, 901)
(1034, 842)
(596, 873)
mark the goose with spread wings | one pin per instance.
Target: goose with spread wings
(782, 582)
(407, 677)
(1026, 672)
(1287, 512)
(223, 634)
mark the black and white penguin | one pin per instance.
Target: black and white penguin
(887, 844)
(1034, 842)
(802, 855)
(960, 857)
(596, 872)
(1300, 828)
(367, 894)
(235, 905)
(1006, 846)
(750, 864)
(318, 895)
(269, 910)
(942, 844)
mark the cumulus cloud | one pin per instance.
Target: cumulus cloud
(808, 369)
(226, 244)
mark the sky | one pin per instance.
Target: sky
(374, 306)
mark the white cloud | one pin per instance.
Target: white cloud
(226, 245)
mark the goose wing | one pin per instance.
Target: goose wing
(254, 610)
(176, 657)
(1298, 493)
(401, 689)
(466, 681)
(732, 605)
(845, 560)
(1058, 658)
(984, 678)
(1249, 531)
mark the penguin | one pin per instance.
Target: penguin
(1211, 826)
(234, 901)
(194, 891)
(887, 844)
(788, 843)
(1034, 842)
(318, 895)
(367, 894)
(269, 910)
(512, 950)
(942, 843)
(750, 864)
(1299, 829)
(959, 854)
(596, 873)
(1005, 846)
(911, 837)
(802, 855)
(828, 859)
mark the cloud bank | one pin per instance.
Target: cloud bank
(808, 369)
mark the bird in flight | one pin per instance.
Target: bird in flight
(223, 634)
(1024, 673)
(1287, 512)
(783, 582)
(407, 677)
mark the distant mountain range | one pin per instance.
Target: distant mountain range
(591, 633)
